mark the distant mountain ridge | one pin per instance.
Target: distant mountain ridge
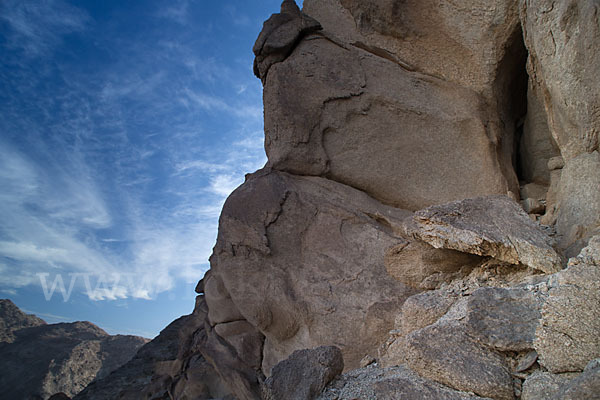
(38, 359)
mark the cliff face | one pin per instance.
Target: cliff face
(43, 359)
(401, 136)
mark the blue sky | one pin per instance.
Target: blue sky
(124, 125)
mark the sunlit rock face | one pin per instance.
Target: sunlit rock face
(431, 167)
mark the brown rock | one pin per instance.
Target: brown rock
(421, 266)
(279, 35)
(304, 374)
(488, 226)
(321, 245)
(443, 353)
(357, 126)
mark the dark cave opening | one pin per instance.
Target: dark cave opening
(511, 90)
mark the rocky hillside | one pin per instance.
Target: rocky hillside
(40, 360)
(12, 319)
(428, 222)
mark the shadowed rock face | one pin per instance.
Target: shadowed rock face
(46, 359)
(12, 319)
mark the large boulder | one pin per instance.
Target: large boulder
(304, 374)
(302, 260)
(493, 226)
(363, 123)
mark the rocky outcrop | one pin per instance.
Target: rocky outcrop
(168, 367)
(488, 226)
(12, 319)
(43, 360)
(387, 222)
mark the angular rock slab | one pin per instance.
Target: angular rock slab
(547, 386)
(304, 374)
(389, 384)
(568, 335)
(302, 259)
(443, 353)
(493, 226)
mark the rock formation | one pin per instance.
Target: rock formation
(401, 136)
(41, 359)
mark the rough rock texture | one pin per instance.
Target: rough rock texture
(392, 107)
(168, 367)
(391, 383)
(279, 35)
(12, 319)
(563, 39)
(568, 333)
(304, 374)
(547, 386)
(47, 359)
(321, 245)
(357, 126)
(488, 226)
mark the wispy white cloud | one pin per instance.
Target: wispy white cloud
(37, 26)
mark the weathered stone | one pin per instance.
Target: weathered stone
(321, 245)
(542, 386)
(547, 386)
(534, 191)
(556, 163)
(424, 309)
(304, 374)
(443, 353)
(357, 126)
(422, 266)
(279, 35)
(461, 43)
(537, 146)
(579, 198)
(488, 226)
(245, 339)
(221, 308)
(504, 319)
(391, 383)
(533, 206)
(567, 336)
(563, 40)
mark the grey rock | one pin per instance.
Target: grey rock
(567, 336)
(556, 163)
(391, 383)
(579, 198)
(542, 386)
(443, 353)
(533, 206)
(503, 319)
(488, 226)
(548, 386)
(424, 309)
(304, 374)
(279, 35)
